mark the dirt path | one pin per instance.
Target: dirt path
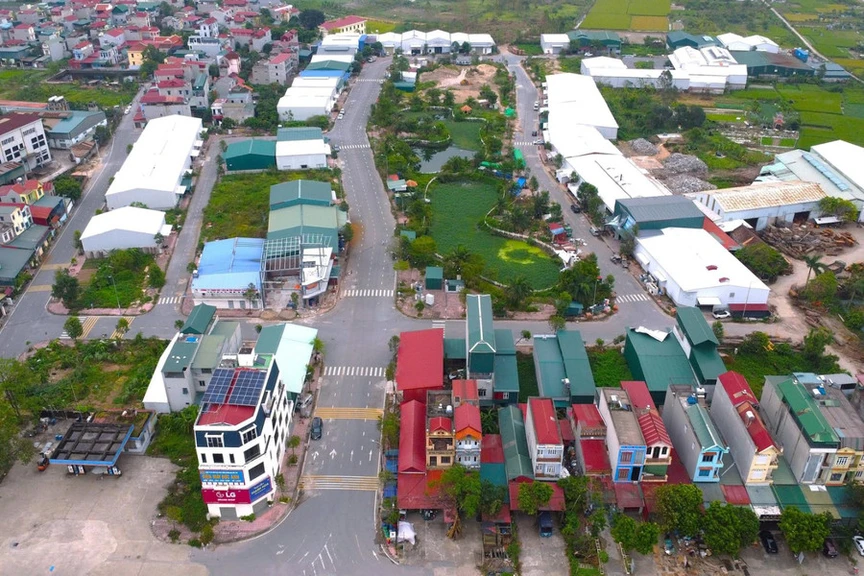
(447, 82)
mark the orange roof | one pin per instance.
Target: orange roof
(467, 419)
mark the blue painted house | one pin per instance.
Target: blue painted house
(624, 439)
(694, 436)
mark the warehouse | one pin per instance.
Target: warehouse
(308, 97)
(678, 39)
(297, 192)
(590, 39)
(731, 41)
(613, 72)
(656, 358)
(309, 221)
(575, 100)
(656, 213)
(226, 271)
(154, 170)
(711, 69)
(554, 43)
(253, 155)
(301, 149)
(127, 227)
(764, 203)
(693, 269)
(615, 178)
(772, 64)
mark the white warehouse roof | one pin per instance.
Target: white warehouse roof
(576, 141)
(762, 195)
(847, 158)
(575, 100)
(159, 157)
(557, 39)
(301, 148)
(128, 219)
(616, 178)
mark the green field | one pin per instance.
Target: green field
(458, 209)
(648, 15)
(811, 98)
(465, 135)
(602, 21)
(379, 26)
(649, 8)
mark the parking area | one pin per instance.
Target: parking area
(540, 556)
(95, 525)
(433, 547)
(785, 563)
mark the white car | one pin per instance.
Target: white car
(128, 109)
(859, 544)
(538, 142)
(721, 314)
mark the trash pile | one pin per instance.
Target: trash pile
(798, 241)
(678, 163)
(642, 147)
(685, 184)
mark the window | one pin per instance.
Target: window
(859, 474)
(201, 383)
(218, 458)
(203, 458)
(7, 140)
(215, 441)
(623, 474)
(708, 457)
(256, 471)
(842, 461)
(252, 453)
(185, 391)
(625, 457)
(445, 460)
(206, 370)
(704, 472)
(249, 435)
(231, 458)
(481, 392)
(433, 461)
(836, 477)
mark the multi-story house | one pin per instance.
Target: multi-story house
(699, 343)
(468, 434)
(624, 437)
(120, 15)
(440, 439)
(26, 192)
(29, 16)
(174, 87)
(208, 28)
(17, 215)
(240, 439)
(255, 38)
(22, 139)
(348, 24)
(658, 445)
(589, 430)
(543, 435)
(209, 46)
(140, 19)
(200, 94)
(694, 436)
(735, 411)
(113, 37)
(275, 70)
(464, 392)
(24, 33)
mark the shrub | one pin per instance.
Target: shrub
(249, 518)
(174, 535)
(195, 542)
(207, 534)
(604, 556)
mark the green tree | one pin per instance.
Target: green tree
(814, 265)
(814, 345)
(763, 260)
(388, 424)
(68, 187)
(422, 252)
(121, 327)
(843, 209)
(518, 292)
(755, 343)
(647, 534)
(533, 496)
(251, 295)
(679, 508)
(73, 327)
(76, 241)
(719, 331)
(449, 98)
(489, 421)
(455, 260)
(102, 135)
(311, 19)
(462, 488)
(557, 322)
(727, 528)
(66, 288)
(823, 288)
(624, 531)
(804, 532)
(576, 493)
(13, 446)
(491, 498)
(293, 443)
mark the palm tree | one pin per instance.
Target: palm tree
(518, 291)
(814, 265)
(456, 259)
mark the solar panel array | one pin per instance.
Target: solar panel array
(826, 172)
(220, 383)
(247, 388)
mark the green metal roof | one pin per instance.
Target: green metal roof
(707, 363)
(224, 328)
(783, 473)
(303, 216)
(181, 354)
(496, 474)
(199, 319)
(506, 373)
(200, 81)
(454, 348)
(516, 456)
(805, 410)
(269, 339)
(329, 65)
(549, 365)
(841, 496)
(659, 364)
(504, 341)
(410, 234)
(590, 35)
(481, 334)
(252, 146)
(659, 208)
(576, 363)
(296, 134)
(695, 327)
(434, 273)
(295, 192)
(791, 495)
(820, 501)
(703, 427)
(209, 352)
(12, 262)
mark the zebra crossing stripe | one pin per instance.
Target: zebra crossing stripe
(354, 293)
(359, 483)
(367, 371)
(440, 324)
(169, 300)
(354, 146)
(633, 298)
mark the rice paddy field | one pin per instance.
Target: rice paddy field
(641, 15)
(457, 210)
(834, 29)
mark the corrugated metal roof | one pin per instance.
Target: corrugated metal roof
(301, 192)
(491, 449)
(506, 373)
(412, 437)
(481, 335)
(298, 134)
(695, 327)
(514, 443)
(504, 343)
(805, 410)
(658, 208)
(198, 319)
(659, 364)
(251, 146)
(766, 195)
(209, 352)
(576, 364)
(703, 427)
(650, 422)
(420, 360)
(454, 348)
(544, 420)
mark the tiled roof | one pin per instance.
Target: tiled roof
(440, 423)
(342, 22)
(491, 449)
(650, 422)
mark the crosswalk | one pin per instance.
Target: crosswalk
(632, 298)
(368, 80)
(442, 324)
(333, 413)
(376, 371)
(116, 335)
(368, 293)
(524, 143)
(354, 147)
(87, 324)
(170, 299)
(360, 483)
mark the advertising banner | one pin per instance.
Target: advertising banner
(221, 476)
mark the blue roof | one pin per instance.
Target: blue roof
(231, 263)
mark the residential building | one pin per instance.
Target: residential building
(155, 105)
(346, 25)
(67, 128)
(468, 435)
(696, 440)
(292, 347)
(154, 171)
(562, 368)
(420, 363)
(126, 227)
(517, 457)
(22, 139)
(113, 37)
(699, 343)
(480, 341)
(464, 392)
(589, 431)
(544, 439)
(25, 192)
(240, 439)
(440, 440)
(735, 411)
(624, 437)
(255, 38)
(229, 274)
(412, 437)
(24, 33)
(275, 70)
(658, 445)
(17, 215)
(51, 211)
(12, 263)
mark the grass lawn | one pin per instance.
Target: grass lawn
(649, 8)
(649, 15)
(380, 26)
(527, 377)
(727, 117)
(754, 367)
(608, 366)
(466, 135)
(649, 23)
(601, 21)
(787, 142)
(240, 203)
(458, 209)
(118, 278)
(808, 98)
(572, 65)
(530, 48)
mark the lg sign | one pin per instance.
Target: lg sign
(232, 496)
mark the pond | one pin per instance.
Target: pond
(432, 161)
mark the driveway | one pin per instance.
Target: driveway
(540, 556)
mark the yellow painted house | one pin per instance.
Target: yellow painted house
(26, 192)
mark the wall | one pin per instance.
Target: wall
(729, 424)
(306, 161)
(680, 432)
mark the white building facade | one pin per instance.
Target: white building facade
(127, 227)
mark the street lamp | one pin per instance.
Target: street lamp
(113, 283)
(595, 290)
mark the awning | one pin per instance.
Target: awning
(709, 301)
(825, 220)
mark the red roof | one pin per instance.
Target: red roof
(491, 449)
(420, 360)
(280, 58)
(752, 306)
(728, 243)
(628, 495)
(15, 120)
(22, 187)
(755, 427)
(172, 83)
(566, 430)
(418, 491)
(588, 416)
(412, 438)
(595, 457)
(341, 22)
(555, 504)
(439, 423)
(116, 32)
(736, 387)
(83, 44)
(465, 390)
(227, 413)
(735, 495)
(41, 212)
(676, 473)
(467, 416)
(503, 516)
(650, 422)
(545, 421)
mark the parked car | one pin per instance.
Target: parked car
(538, 142)
(534, 133)
(721, 313)
(829, 548)
(859, 544)
(545, 521)
(317, 428)
(595, 231)
(769, 543)
(575, 208)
